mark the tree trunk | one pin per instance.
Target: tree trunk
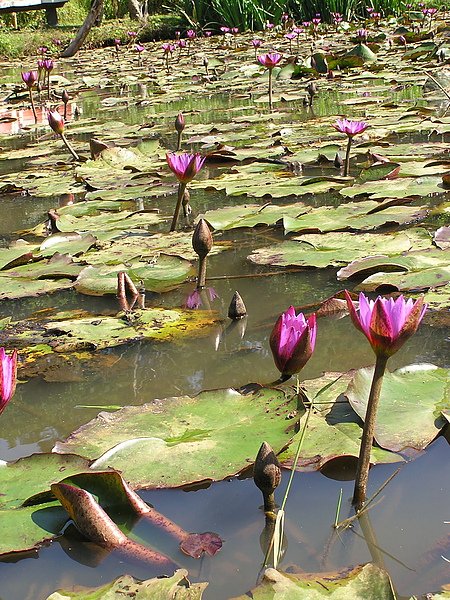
(75, 45)
(134, 10)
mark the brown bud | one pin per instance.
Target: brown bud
(180, 123)
(65, 97)
(202, 239)
(267, 474)
(237, 309)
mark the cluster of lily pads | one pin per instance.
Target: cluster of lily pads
(376, 211)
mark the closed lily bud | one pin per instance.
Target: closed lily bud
(65, 97)
(292, 341)
(267, 474)
(202, 239)
(180, 123)
(56, 121)
(237, 309)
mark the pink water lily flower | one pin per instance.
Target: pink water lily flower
(8, 377)
(386, 323)
(292, 341)
(29, 78)
(256, 43)
(168, 48)
(185, 166)
(350, 128)
(190, 33)
(48, 64)
(56, 121)
(269, 60)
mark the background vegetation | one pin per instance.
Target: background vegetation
(181, 14)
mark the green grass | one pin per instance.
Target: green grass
(26, 41)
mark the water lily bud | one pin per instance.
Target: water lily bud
(292, 341)
(56, 121)
(8, 377)
(267, 474)
(202, 239)
(180, 123)
(65, 97)
(237, 309)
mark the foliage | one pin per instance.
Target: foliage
(15, 44)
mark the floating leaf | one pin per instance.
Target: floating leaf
(410, 404)
(177, 587)
(367, 582)
(228, 430)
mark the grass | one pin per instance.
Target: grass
(26, 41)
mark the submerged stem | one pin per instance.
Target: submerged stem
(362, 471)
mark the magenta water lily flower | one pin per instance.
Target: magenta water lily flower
(185, 166)
(269, 60)
(8, 377)
(350, 128)
(48, 64)
(29, 78)
(386, 323)
(292, 341)
(195, 300)
(56, 121)
(190, 33)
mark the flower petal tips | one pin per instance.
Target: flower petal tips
(350, 128)
(269, 60)
(386, 323)
(292, 341)
(185, 166)
(8, 377)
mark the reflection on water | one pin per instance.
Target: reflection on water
(406, 528)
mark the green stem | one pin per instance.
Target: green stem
(181, 188)
(69, 147)
(347, 157)
(180, 133)
(32, 106)
(270, 89)
(362, 471)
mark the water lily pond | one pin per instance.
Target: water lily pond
(128, 448)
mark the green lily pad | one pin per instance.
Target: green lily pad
(353, 216)
(397, 188)
(24, 288)
(209, 437)
(107, 221)
(335, 249)
(334, 429)
(409, 413)
(18, 254)
(367, 582)
(163, 274)
(67, 243)
(250, 215)
(177, 587)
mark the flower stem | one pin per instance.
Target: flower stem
(69, 147)
(347, 157)
(181, 188)
(270, 89)
(32, 106)
(362, 471)
(201, 272)
(180, 133)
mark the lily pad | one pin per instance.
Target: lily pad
(412, 398)
(250, 215)
(163, 274)
(334, 429)
(209, 437)
(177, 587)
(335, 249)
(367, 582)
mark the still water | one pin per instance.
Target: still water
(408, 524)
